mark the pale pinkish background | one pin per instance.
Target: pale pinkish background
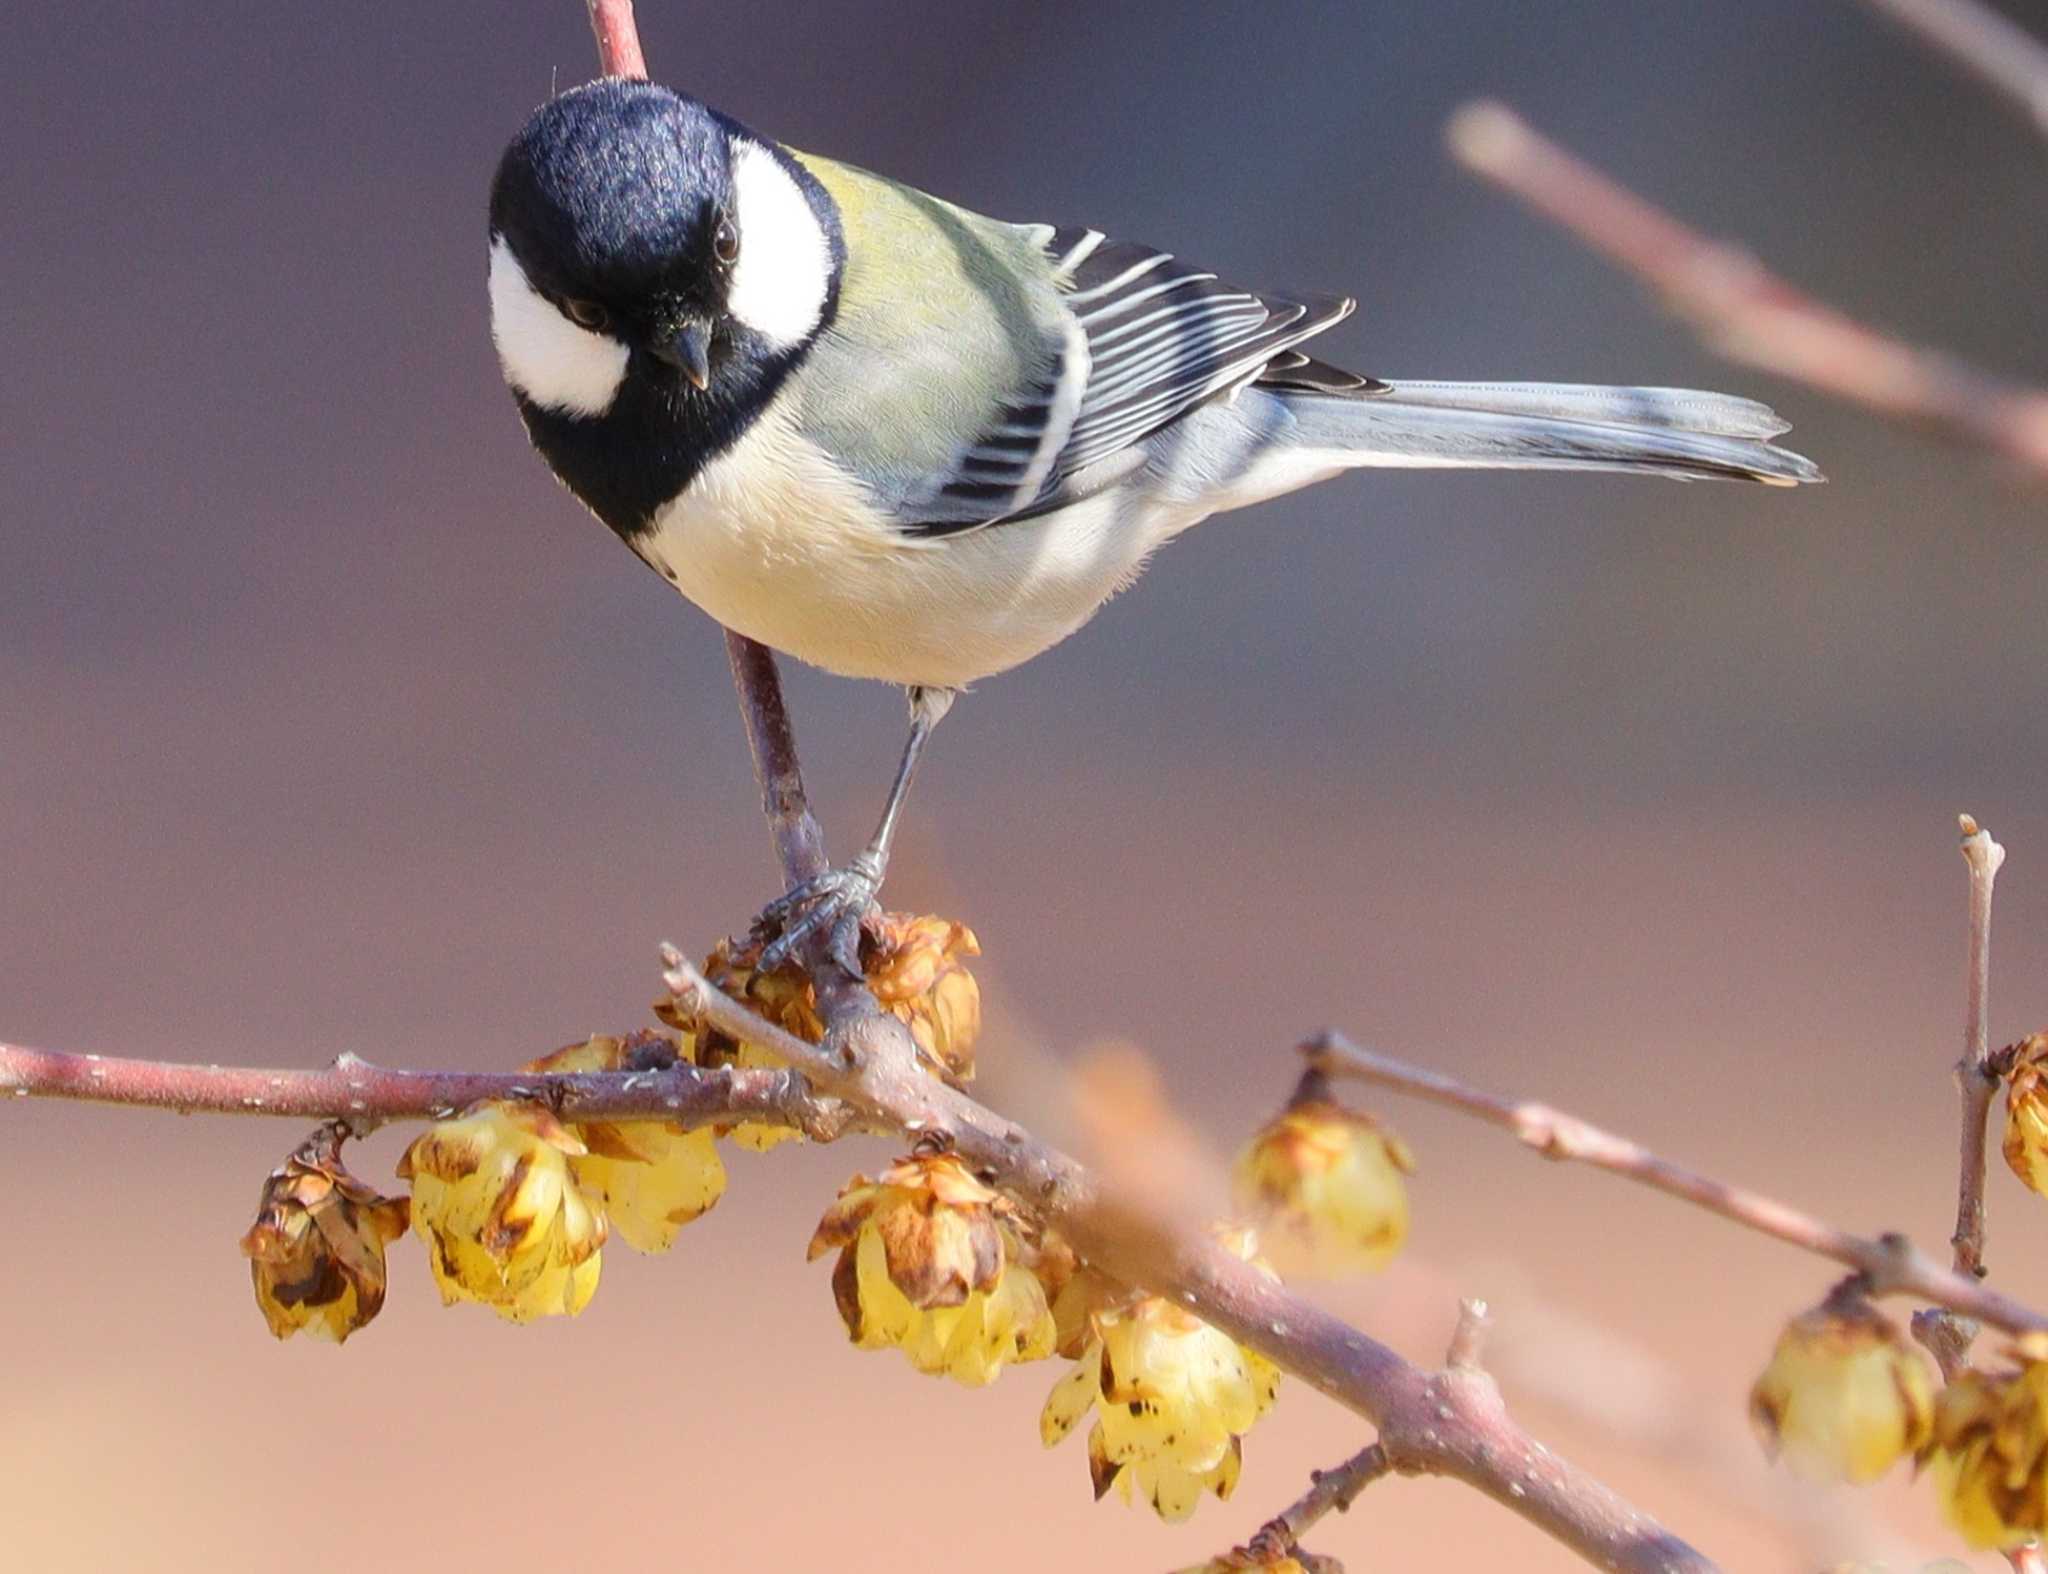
(327, 722)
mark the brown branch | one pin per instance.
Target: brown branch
(1947, 1336)
(1329, 1491)
(799, 843)
(1997, 51)
(1336, 1489)
(1449, 1423)
(1742, 310)
(1974, 1073)
(1890, 1264)
(364, 1096)
(618, 39)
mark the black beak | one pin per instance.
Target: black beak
(688, 350)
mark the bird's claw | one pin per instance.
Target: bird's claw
(834, 902)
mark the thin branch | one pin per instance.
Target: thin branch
(1947, 1336)
(1997, 51)
(1329, 1490)
(364, 1096)
(618, 39)
(1742, 310)
(1891, 1264)
(1974, 1073)
(799, 843)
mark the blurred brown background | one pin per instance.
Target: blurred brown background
(327, 722)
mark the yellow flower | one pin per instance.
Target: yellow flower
(913, 965)
(916, 968)
(316, 1250)
(931, 1263)
(1845, 1394)
(2026, 1113)
(1172, 1399)
(1990, 1450)
(783, 997)
(504, 1221)
(652, 1177)
(1325, 1183)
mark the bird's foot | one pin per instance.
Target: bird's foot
(834, 903)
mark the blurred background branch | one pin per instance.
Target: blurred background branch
(1989, 46)
(1742, 310)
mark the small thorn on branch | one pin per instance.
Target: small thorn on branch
(1468, 1338)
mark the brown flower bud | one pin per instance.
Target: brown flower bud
(1989, 1457)
(1846, 1394)
(316, 1250)
(918, 972)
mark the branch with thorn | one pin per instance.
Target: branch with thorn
(1979, 1072)
(1744, 312)
(1887, 1264)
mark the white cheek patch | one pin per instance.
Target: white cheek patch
(784, 270)
(556, 364)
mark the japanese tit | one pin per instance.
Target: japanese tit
(898, 440)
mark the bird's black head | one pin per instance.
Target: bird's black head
(656, 271)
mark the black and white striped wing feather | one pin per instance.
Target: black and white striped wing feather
(1146, 337)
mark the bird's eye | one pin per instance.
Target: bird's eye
(587, 314)
(725, 242)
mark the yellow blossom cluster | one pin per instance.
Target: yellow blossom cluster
(1845, 1396)
(1325, 1184)
(316, 1250)
(932, 1262)
(1172, 1399)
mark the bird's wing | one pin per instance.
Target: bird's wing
(1144, 337)
(977, 369)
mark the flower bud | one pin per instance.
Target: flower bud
(1989, 1456)
(1326, 1184)
(783, 997)
(931, 1261)
(504, 1221)
(316, 1250)
(1845, 1396)
(913, 965)
(2026, 1113)
(1172, 1399)
(918, 972)
(651, 1177)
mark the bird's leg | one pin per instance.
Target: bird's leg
(837, 899)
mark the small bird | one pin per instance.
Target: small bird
(901, 441)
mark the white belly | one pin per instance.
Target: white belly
(773, 540)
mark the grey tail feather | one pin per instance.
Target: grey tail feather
(1678, 432)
